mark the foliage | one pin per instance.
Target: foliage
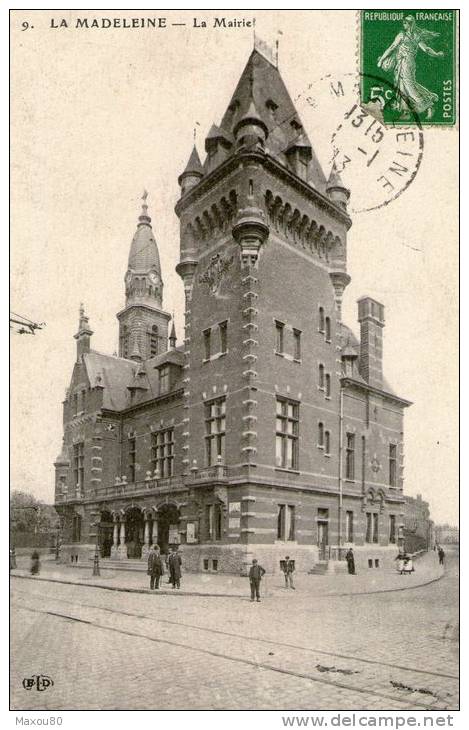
(28, 514)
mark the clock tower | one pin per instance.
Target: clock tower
(143, 324)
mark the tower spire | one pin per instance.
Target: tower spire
(143, 323)
(83, 336)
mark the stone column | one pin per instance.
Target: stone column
(122, 550)
(115, 539)
(146, 539)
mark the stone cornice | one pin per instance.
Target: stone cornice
(173, 395)
(370, 389)
(273, 166)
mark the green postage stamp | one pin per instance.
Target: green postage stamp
(408, 65)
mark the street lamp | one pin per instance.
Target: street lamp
(96, 570)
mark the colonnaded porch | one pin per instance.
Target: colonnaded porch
(129, 533)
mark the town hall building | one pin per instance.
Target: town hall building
(270, 429)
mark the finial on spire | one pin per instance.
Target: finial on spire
(144, 217)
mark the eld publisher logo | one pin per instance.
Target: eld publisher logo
(40, 681)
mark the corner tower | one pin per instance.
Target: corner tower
(143, 324)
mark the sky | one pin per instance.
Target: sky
(99, 115)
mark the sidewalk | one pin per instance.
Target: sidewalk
(427, 570)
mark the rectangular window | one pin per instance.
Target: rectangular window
(279, 330)
(328, 386)
(291, 522)
(369, 527)
(321, 377)
(79, 465)
(349, 526)
(164, 379)
(223, 337)
(350, 457)
(287, 426)
(132, 459)
(205, 563)
(215, 428)
(286, 522)
(375, 526)
(207, 344)
(297, 344)
(320, 434)
(218, 522)
(328, 329)
(214, 565)
(392, 464)
(162, 452)
(210, 510)
(281, 522)
(392, 528)
(321, 323)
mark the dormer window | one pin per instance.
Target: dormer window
(233, 107)
(295, 124)
(164, 379)
(271, 106)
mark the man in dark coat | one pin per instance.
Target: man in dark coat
(155, 567)
(174, 564)
(255, 575)
(441, 556)
(350, 558)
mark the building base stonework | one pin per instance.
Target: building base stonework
(237, 559)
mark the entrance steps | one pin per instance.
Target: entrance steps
(138, 565)
(320, 568)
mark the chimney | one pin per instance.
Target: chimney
(371, 318)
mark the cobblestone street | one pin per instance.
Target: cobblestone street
(114, 650)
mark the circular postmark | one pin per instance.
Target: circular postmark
(376, 161)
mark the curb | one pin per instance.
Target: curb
(165, 592)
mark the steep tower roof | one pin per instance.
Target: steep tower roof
(144, 253)
(194, 165)
(261, 94)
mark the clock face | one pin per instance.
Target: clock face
(153, 276)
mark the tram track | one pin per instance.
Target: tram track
(411, 702)
(333, 655)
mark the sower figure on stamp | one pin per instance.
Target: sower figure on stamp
(155, 567)
(288, 567)
(255, 575)
(174, 565)
(400, 57)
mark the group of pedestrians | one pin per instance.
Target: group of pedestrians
(156, 567)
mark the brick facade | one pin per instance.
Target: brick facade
(271, 429)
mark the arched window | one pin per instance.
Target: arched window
(320, 434)
(328, 385)
(327, 442)
(321, 319)
(328, 329)
(321, 376)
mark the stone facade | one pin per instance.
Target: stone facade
(271, 430)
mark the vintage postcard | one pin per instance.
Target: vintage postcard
(234, 346)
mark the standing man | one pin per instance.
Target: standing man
(174, 564)
(255, 575)
(350, 558)
(441, 556)
(288, 567)
(155, 567)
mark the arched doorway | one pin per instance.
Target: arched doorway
(168, 526)
(134, 528)
(106, 527)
